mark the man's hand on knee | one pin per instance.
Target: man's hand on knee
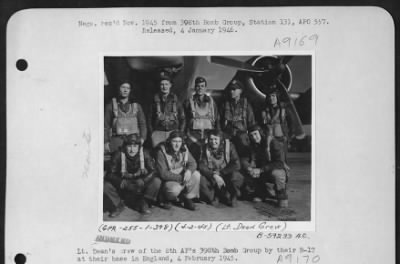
(187, 176)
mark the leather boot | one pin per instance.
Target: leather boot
(282, 198)
(143, 207)
(187, 203)
(163, 202)
(118, 210)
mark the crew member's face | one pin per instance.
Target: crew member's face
(124, 90)
(176, 144)
(200, 88)
(165, 86)
(235, 93)
(214, 141)
(132, 149)
(255, 136)
(272, 99)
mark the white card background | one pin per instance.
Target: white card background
(54, 173)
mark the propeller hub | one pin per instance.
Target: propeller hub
(261, 82)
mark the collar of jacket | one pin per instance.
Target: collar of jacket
(171, 152)
(217, 153)
(255, 146)
(121, 103)
(163, 98)
(131, 158)
(206, 98)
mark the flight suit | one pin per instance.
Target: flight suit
(138, 186)
(225, 160)
(276, 122)
(236, 117)
(123, 119)
(270, 163)
(166, 115)
(171, 170)
(202, 116)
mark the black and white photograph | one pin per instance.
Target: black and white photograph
(208, 138)
(207, 134)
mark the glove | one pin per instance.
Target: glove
(124, 184)
(256, 173)
(141, 172)
(287, 169)
(219, 180)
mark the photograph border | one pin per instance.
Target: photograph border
(289, 225)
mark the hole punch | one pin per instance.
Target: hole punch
(22, 64)
(20, 258)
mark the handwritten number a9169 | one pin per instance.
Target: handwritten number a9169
(288, 42)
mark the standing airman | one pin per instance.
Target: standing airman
(276, 119)
(237, 114)
(122, 117)
(166, 113)
(202, 116)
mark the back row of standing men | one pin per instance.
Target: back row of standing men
(209, 167)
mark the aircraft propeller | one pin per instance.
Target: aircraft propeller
(259, 73)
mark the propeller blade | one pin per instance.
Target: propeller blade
(298, 128)
(240, 65)
(286, 59)
(105, 79)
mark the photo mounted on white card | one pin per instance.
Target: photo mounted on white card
(200, 135)
(165, 90)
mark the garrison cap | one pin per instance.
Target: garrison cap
(235, 84)
(216, 132)
(200, 79)
(165, 76)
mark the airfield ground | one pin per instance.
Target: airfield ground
(299, 191)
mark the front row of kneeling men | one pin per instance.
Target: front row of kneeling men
(173, 176)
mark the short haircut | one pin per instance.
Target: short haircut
(216, 132)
